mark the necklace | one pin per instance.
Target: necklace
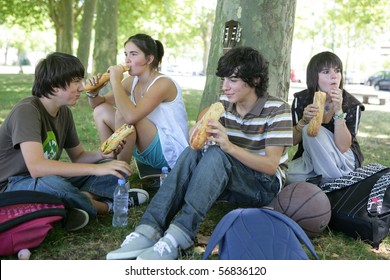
(145, 88)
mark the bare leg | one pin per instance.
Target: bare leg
(104, 116)
(101, 207)
(145, 132)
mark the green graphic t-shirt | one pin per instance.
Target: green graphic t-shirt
(50, 147)
(29, 121)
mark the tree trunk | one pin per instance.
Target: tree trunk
(68, 26)
(206, 31)
(266, 25)
(106, 27)
(85, 35)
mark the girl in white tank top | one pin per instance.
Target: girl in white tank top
(155, 107)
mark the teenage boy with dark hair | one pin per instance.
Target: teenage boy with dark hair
(40, 127)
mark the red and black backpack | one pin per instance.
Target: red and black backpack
(26, 217)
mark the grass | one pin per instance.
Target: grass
(95, 240)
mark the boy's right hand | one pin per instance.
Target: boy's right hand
(117, 168)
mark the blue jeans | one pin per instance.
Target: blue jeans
(68, 188)
(192, 187)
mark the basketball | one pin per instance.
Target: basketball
(307, 205)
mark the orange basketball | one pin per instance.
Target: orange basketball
(307, 205)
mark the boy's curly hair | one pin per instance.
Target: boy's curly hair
(247, 64)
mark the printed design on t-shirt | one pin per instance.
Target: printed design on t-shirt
(50, 147)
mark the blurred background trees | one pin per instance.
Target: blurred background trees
(85, 25)
(94, 30)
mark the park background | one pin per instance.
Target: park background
(358, 31)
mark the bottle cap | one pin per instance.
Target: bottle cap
(121, 181)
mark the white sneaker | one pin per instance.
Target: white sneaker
(162, 250)
(133, 246)
(75, 219)
(137, 197)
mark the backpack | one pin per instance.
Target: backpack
(26, 217)
(360, 203)
(259, 234)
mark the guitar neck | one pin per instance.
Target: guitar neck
(232, 35)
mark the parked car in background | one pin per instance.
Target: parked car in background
(383, 83)
(372, 80)
(297, 76)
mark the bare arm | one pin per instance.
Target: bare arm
(162, 90)
(94, 98)
(266, 164)
(342, 136)
(199, 118)
(81, 165)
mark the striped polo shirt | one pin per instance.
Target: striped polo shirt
(269, 123)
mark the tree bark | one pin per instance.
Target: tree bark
(85, 35)
(106, 28)
(68, 26)
(266, 25)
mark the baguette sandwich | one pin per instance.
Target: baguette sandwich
(199, 135)
(103, 80)
(112, 142)
(315, 123)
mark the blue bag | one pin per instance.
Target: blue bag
(259, 234)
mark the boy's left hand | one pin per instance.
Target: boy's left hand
(218, 135)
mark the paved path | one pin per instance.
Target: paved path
(198, 83)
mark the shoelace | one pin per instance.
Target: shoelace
(129, 238)
(160, 247)
(133, 199)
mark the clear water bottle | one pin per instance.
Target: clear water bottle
(163, 175)
(121, 204)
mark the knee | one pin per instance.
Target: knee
(188, 152)
(98, 112)
(119, 117)
(215, 154)
(187, 155)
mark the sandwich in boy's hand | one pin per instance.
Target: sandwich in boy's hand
(112, 142)
(199, 135)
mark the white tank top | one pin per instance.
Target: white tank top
(171, 121)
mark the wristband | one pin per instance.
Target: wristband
(339, 116)
(302, 122)
(300, 125)
(91, 95)
(298, 128)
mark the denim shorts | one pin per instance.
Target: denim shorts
(153, 155)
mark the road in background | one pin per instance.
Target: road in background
(198, 83)
(356, 90)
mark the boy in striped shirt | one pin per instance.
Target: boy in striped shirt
(247, 166)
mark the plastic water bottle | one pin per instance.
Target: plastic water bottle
(121, 204)
(163, 175)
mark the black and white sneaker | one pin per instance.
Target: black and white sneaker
(75, 219)
(137, 197)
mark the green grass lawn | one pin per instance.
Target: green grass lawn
(96, 239)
